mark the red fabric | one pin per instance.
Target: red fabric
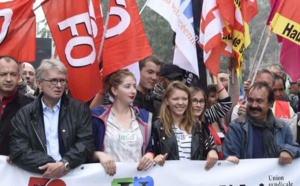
(217, 139)
(282, 109)
(126, 41)
(274, 7)
(97, 23)
(18, 30)
(75, 45)
(6, 100)
(249, 9)
(290, 59)
(274, 4)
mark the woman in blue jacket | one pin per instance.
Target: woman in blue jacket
(122, 132)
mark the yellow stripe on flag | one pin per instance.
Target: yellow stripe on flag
(286, 28)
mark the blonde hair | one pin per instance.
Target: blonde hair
(188, 119)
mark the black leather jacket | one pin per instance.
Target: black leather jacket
(164, 144)
(28, 140)
(5, 122)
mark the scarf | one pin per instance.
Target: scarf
(268, 136)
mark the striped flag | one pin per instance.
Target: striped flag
(211, 33)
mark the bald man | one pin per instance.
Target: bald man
(29, 74)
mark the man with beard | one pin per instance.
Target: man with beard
(258, 134)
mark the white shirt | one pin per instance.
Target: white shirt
(51, 130)
(184, 141)
(120, 144)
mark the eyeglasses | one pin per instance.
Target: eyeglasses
(55, 81)
(196, 101)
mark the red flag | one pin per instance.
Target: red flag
(249, 9)
(211, 28)
(286, 21)
(97, 23)
(126, 41)
(274, 7)
(290, 59)
(17, 30)
(71, 29)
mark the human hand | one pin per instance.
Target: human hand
(145, 162)
(242, 108)
(107, 162)
(247, 85)
(53, 170)
(285, 157)
(212, 158)
(233, 159)
(160, 159)
(8, 160)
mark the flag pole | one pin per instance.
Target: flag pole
(103, 37)
(43, 2)
(254, 60)
(261, 56)
(143, 7)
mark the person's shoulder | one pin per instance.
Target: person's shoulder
(24, 99)
(98, 111)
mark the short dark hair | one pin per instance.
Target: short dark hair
(211, 88)
(266, 71)
(9, 58)
(280, 78)
(151, 58)
(260, 85)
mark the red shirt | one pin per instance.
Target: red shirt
(6, 100)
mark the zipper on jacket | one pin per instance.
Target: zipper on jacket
(34, 123)
(168, 149)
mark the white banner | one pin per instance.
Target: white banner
(251, 172)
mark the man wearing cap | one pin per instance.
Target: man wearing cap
(168, 73)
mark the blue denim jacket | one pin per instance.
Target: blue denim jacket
(239, 139)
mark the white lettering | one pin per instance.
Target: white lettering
(77, 40)
(7, 14)
(124, 20)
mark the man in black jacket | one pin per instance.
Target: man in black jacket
(54, 133)
(11, 100)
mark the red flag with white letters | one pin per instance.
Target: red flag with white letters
(126, 41)
(17, 30)
(72, 33)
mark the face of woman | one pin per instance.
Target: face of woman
(178, 102)
(126, 91)
(198, 103)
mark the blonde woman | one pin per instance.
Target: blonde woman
(177, 134)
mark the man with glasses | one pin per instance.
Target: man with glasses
(11, 99)
(54, 133)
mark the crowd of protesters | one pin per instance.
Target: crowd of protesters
(44, 130)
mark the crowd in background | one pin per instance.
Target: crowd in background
(44, 130)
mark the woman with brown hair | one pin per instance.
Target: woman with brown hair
(209, 111)
(177, 134)
(122, 132)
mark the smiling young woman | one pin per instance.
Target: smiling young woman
(177, 134)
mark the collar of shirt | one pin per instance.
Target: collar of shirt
(55, 108)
